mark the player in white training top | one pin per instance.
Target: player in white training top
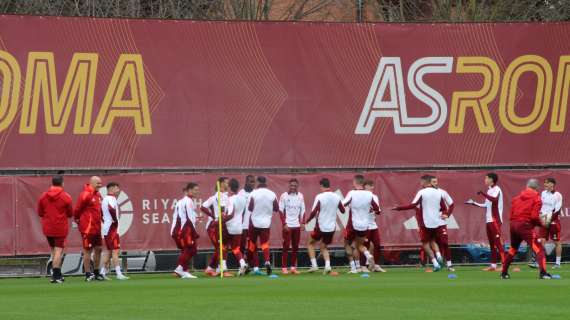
(184, 231)
(373, 236)
(431, 212)
(110, 209)
(493, 217)
(292, 210)
(325, 208)
(442, 241)
(263, 205)
(361, 203)
(233, 222)
(550, 215)
(213, 210)
(245, 192)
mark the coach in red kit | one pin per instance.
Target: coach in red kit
(54, 209)
(88, 215)
(525, 213)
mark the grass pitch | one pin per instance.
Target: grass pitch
(398, 294)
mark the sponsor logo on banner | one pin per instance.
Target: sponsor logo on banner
(160, 210)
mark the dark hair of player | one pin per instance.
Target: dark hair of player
(234, 185)
(111, 185)
(325, 183)
(551, 180)
(57, 180)
(493, 176)
(247, 186)
(359, 179)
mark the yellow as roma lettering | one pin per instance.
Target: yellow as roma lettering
(477, 101)
(128, 72)
(78, 91)
(510, 120)
(560, 106)
(11, 77)
(41, 85)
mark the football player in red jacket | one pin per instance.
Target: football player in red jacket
(55, 209)
(87, 214)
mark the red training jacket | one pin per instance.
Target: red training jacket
(54, 208)
(88, 212)
(526, 207)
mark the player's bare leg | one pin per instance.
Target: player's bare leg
(87, 264)
(117, 264)
(428, 249)
(57, 257)
(56, 262)
(436, 251)
(361, 248)
(312, 255)
(350, 256)
(106, 257)
(376, 267)
(558, 251)
(327, 257)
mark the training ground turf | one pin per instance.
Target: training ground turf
(398, 294)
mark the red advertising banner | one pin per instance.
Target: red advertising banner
(147, 201)
(112, 93)
(7, 216)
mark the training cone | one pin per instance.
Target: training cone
(365, 275)
(452, 276)
(273, 276)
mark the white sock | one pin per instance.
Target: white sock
(208, 268)
(558, 260)
(357, 263)
(242, 263)
(314, 263)
(494, 265)
(179, 269)
(218, 269)
(438, 255)
(367, 254)
(118, 270)
(435, 264)
(327, 264)
(103, 271)
(225, 265)
(255, 269)
(448, 264)
(352, 265)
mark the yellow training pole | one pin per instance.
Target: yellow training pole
(220, 230)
